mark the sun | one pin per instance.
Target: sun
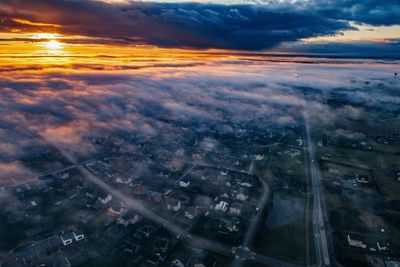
(53, 45)
(48, 41)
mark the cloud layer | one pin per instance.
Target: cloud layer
(68, 108)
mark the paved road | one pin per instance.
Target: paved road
(320, 237)
(254, 222)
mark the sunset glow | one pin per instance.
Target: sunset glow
(52, 45)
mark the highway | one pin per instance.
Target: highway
(320, 237)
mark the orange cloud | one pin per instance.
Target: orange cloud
(27, 22)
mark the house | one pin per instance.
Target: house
(235, 208)
(228, 225)
(154, 196)
(140, 190)
(167, 192)
(204, 260)
(173, 204)
(221, 206)
(64, 175)
(259, 157)
(184, 199)
(383, 245)
(67, 238)
(362, 179)
(115, 209)
(191, 212)
(78, 235)
(355, 240)
(392, 263)
(53, 244)
(104, 198)
(145, 231)
(185, 183)
(41, 248)
(156, 258)
(90, 202)
(182, 259)
(161, 245)
(128, 218)
(124, 180)
(27, 256)
(90, 192)
(246, 184)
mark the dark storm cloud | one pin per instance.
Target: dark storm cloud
(372, 12)
(174, 25)
(388, 49)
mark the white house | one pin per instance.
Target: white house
(221, 206)
(67, 239)
(184, 184)
(105, 199)
(241, 196)
(78, 235)
(355, 241)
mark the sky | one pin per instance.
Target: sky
(368, 27)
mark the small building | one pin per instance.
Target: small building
(64, 175)
(104, 198)
(27, 255)
(235, 208)
(140, 190)
(67, 238)
(78, 235)
(246, 184)
(154, 196)
(355, 240)
(185, 183)
(161, 245)
(204, 260)
(363, 179)
(228, 225)
(115, 209)
(189, 215)
(173, 204)
(383, 245)
(156, 259)
(221, 206)
(241, 196)
(182, 259)
(53, 244)
(128, 218)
